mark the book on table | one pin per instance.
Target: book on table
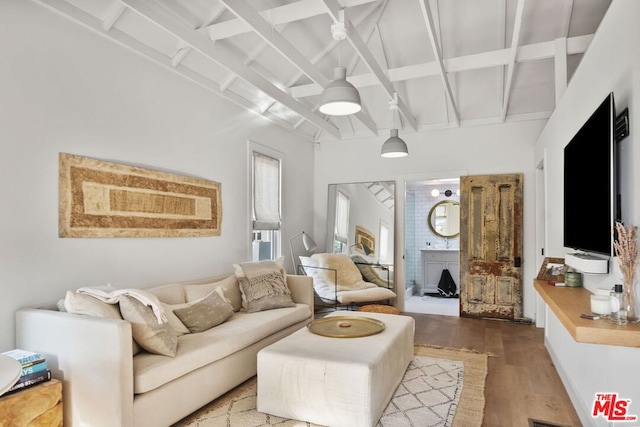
(23, 356)
(30, 380)
(34, 368)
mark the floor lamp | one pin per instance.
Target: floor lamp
(307, 241)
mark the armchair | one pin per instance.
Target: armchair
(337, 281)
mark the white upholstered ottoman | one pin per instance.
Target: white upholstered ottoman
(335, 381)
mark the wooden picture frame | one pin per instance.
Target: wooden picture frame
(105, 199)
(365, 237)
(552, 270)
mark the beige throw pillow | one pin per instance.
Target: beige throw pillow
(86, 304)
(263, 285)
(173, 320)
(228, 285)
(211, 311)
(157, 338)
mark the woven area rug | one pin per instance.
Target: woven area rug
(442, 387)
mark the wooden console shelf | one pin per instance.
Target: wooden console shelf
(569, 303)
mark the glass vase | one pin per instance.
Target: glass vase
(630, 299)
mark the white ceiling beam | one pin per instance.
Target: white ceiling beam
(360, 47)
(183, 51)
(200, 43)
(272, 37)
(297, 11)
(65, 9)
(113, 15)
(496, 58)
(513, 50)
(560, 68)
(435, 46)
(263, 28)
(568, 11)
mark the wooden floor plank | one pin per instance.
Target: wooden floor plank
(522, 381)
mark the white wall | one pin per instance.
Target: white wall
(66, 89)
(505, 148)
(612, 63)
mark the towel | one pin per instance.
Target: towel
(110, 295)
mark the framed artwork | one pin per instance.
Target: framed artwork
(552, 270)
(104, 199)
(365, 238)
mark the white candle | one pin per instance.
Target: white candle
(600, 304)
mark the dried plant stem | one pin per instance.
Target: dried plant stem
(626, 248)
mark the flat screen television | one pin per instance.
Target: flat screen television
(591, 201)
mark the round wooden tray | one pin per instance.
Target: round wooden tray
(345, 326)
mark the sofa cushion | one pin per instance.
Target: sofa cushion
(204, 314)
(172, 293)
(263, 286)
(197, 350)
(228, 285)
(154, 337)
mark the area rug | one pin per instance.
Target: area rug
(442, 387)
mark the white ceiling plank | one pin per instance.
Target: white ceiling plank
(496, 58)
(360, 47)
(113, 15)
(560, 67)
(179, 56)
(204, 46)
(437, 52)
(297, 11)
(517, 25)
(71, 12)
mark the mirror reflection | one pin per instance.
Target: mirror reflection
(360, 221)
(444, 218)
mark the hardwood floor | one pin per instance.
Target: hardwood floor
(522, 382)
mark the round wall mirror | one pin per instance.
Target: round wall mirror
(444, 218)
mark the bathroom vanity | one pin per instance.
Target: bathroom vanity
(433, 262)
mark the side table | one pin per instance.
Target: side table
(36, 406)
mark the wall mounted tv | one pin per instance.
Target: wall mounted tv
(591, 202)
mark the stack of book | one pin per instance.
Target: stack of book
(34, 369)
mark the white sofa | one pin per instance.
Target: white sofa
(104, 384)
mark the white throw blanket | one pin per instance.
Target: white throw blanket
(110, 295)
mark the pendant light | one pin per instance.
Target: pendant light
(340, 98)
(394, 146)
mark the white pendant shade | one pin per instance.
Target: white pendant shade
(394, 146)
(340, 98)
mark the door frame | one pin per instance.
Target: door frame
(401, 188)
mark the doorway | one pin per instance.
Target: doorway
(432, 244)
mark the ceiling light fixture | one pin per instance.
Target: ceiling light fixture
(340, 98)
(394, 146)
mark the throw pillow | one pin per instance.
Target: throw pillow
(206, 313)
(157, 338)
(86, 304)
(368, 271)
(178, 327)
(228, 285)
(263, 285)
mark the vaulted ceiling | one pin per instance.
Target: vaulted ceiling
(449, 63)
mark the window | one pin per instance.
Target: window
(341, 230)
(265, 191)
(384, 245)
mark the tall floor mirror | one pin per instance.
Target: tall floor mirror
(361, 221)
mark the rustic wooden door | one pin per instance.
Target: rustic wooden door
(491, 246)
